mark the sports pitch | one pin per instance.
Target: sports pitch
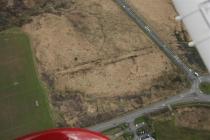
(23, 100)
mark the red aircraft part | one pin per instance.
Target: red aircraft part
(65, 134)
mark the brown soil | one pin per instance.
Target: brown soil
(98, 63)
(186, 117)
(194, 117)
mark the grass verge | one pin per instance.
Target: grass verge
(23, 99)
(205, 87)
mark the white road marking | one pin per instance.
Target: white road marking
(147, 28)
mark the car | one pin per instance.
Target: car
(163, 104)
(196, 74)
(182, 96)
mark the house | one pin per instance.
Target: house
(146, 137)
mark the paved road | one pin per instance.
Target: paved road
(155, 38)
(184, 97)
(192, 95)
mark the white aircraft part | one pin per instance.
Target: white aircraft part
(195, 14)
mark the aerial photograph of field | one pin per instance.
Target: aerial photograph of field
(114, 69)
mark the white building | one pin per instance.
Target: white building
(146, 137)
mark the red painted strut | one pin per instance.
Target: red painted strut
(65, 134)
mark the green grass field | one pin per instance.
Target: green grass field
(20, 88)
(141, 120)
(115, 129)
(168, 131)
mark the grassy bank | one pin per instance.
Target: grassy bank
(205, 87)
(23, 100)
(166, 130)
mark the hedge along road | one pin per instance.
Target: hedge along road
(23, 99)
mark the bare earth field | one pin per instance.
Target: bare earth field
(196, 117)
(185, 123)
(193, 117)
(97, 62)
